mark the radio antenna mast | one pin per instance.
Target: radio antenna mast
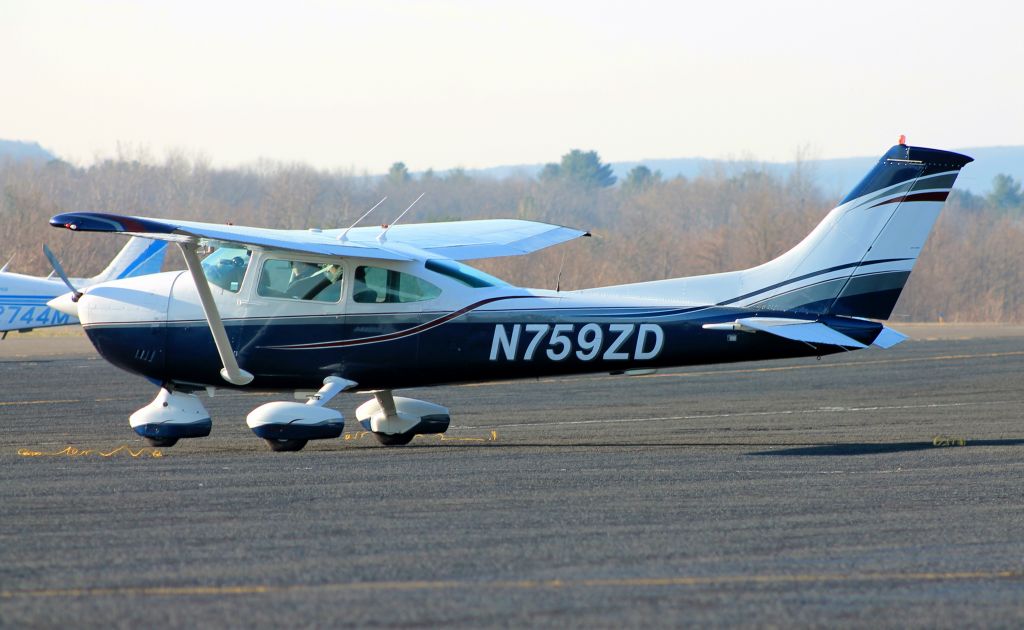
(558, 279)
(343, 235)
(380, 237)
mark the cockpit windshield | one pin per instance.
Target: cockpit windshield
(225, 267)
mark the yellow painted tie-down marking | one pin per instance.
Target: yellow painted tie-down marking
(72, 451)
(440, 585)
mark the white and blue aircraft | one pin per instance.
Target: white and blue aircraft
(23, 298)
(379, 309)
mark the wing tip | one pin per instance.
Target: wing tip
(103, 222)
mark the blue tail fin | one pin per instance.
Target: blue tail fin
(139, 257)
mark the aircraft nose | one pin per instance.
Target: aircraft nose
(65, 304)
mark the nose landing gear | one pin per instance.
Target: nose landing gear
(170, 417)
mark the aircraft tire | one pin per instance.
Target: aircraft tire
(161, 442)
(399, 439)
(281, 446)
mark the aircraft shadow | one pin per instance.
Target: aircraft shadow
(830, 450)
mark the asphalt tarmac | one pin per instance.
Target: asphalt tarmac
(881, 488)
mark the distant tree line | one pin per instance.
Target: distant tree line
(645, 227)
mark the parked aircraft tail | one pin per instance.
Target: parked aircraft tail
(139, 257)
(855, 262)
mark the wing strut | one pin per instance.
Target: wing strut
(230, 372)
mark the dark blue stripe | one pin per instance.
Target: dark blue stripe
(810, 275)
(288, 431)
(169, 430)
(884, 175)
(903, 163)
(444, 354)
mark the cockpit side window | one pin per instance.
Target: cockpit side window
(300, 280)
(376, 285)
(225, 267)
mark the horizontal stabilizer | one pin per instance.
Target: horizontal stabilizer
(796, 329)
(888, 338)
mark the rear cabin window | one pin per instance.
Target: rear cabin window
(300, 280)
(463, 273)
(376, 285)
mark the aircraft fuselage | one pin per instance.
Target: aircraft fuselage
(155, 328)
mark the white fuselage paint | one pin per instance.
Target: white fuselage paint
(865, 227)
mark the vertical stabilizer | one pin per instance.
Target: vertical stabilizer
(854, 263)
(857, 261)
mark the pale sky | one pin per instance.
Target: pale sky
(475, 84)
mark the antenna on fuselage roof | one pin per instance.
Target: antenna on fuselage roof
(387, 226)
(558, 278)
(342, 236)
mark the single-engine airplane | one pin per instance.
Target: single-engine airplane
(23, 298)
(379, 309)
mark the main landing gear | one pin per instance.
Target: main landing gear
(395, 420)
(288, 426)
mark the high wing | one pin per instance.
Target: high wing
(467, 240)
(458, 240)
